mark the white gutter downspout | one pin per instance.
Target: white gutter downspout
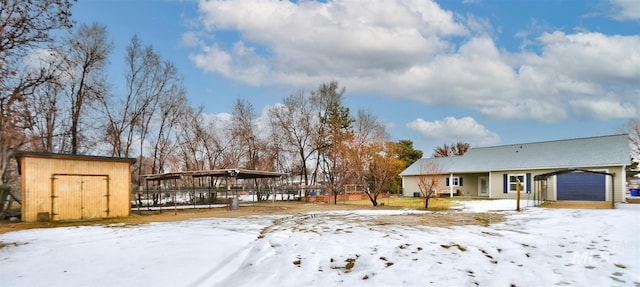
(451, 185)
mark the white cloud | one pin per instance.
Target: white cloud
(190, 39)
(406, 49)
(338, 37)
(590, 57)
(213, 59)
(605, 109)
(479, 25)
(624, 10)
(544, 111)
(241, 63)
(451, 129)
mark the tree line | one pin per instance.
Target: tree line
(55, 96)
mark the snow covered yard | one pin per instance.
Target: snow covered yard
(535, 247)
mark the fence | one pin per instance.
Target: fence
(343, 197)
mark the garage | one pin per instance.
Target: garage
(584, 186)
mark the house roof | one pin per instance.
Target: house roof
(610, 150)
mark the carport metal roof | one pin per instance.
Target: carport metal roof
(545, 176)
(234, 173)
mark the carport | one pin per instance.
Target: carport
(204, 179)
(577, 184)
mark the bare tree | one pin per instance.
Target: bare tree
(25, 27)
(148, 79)
(86, 58)
(429, 179)
(244, 132)
(293, 124)
(47, 126)
(214, 146)
(243, 129)
(192, 135)
(172, 107)
(633, 129)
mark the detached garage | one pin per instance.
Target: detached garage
(70, 187)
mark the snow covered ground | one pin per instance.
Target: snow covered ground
(535, 247)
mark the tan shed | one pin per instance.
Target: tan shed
(70, 187)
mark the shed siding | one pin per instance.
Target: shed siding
(80, 188)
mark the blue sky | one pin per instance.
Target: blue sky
(435, 72)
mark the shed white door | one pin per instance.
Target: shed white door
(79, 197)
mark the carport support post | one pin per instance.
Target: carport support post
(613, 190)
(175, 198)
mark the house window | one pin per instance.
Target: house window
(454, 181)
(513, 181)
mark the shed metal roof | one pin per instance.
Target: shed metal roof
(19, 155)
(610, 150)
(23, 154)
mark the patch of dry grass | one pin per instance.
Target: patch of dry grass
(436, 203)
(144, 216)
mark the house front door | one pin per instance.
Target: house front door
(483, 186)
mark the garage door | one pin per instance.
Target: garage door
(581, 186)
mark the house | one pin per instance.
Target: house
(584, 169)
(68, 187)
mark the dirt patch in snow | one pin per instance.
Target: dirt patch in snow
(442, 219)
(439, 218)
(577, 204)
